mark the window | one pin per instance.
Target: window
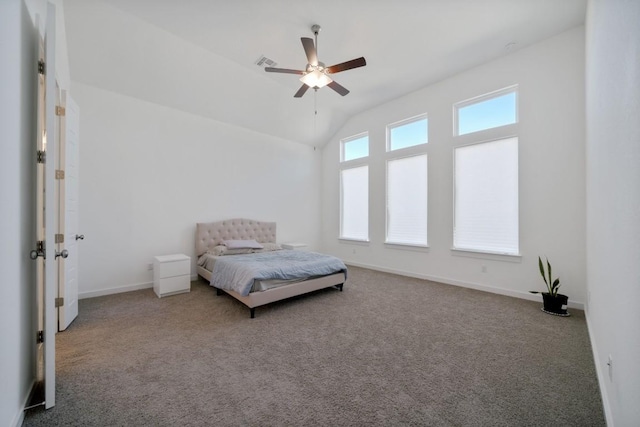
(354, 203)
(407, 200)
(486, 112)
(355, 147)
(486, 197)
(408, 133)
(407, 182)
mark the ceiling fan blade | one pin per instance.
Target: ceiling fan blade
(338, 88)
(310, 50)
(283, 70)
(354, 63)
(301, 91)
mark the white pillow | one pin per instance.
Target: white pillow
(269, 247)
(242, 244)
(223, 250)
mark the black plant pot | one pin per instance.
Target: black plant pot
(556, 305)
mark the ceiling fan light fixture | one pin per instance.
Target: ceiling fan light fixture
(315, 78)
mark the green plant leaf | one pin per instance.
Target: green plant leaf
(556, 285)
(549, 271)
(542, 271)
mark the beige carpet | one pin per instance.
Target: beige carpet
(389, 350)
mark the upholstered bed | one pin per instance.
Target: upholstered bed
(312, 271)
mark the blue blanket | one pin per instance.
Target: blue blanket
(237, 272)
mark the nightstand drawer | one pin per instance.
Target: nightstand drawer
(172, 265)
(172, 285)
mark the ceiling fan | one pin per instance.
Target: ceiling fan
(316, 74)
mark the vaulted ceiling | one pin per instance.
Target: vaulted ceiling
(199, 55)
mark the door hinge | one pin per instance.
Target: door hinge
(59, 174)
(41, 156)
(59, 302)
(59, 238)
(40, 337)
(41, 67)
(60, 111)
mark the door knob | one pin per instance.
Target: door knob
(34, 254)
(64, 253)
(79, 236)
(38, 251)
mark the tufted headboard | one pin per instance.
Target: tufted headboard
(210, 234)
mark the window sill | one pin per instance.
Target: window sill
(353, 241)
(497, 256)
(406, 247)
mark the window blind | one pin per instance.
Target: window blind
(486, 197)
(407, 200)
(354, 218)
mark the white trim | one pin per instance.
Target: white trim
(354, 241)
(470, 285)
(601, 375)
(122, 289)
(116, 290)
(406, 247)
(496, 256)
(18, 420)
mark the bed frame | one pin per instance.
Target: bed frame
(212, 234)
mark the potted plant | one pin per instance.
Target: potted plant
(553, 302)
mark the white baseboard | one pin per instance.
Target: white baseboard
(19, 418)
(118, 290)
(600, 373)
(476, 286)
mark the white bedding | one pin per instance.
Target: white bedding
(208, 261)
(238, 272)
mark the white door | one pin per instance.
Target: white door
(68, 219)
(45, 253)
(50, 223)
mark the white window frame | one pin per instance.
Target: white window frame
(345, 141)
(399, 153)
(351, 164)
(478, 99)
(479, 137)
(402, 123)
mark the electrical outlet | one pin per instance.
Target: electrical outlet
(610, 366)
(484, 268)
(150, 266)
(354, 251)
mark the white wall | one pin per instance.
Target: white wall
(150, 172)
(550, 76)
(613, 203)
(17, 166)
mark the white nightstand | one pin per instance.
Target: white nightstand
(295, 246)
(171, 274)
